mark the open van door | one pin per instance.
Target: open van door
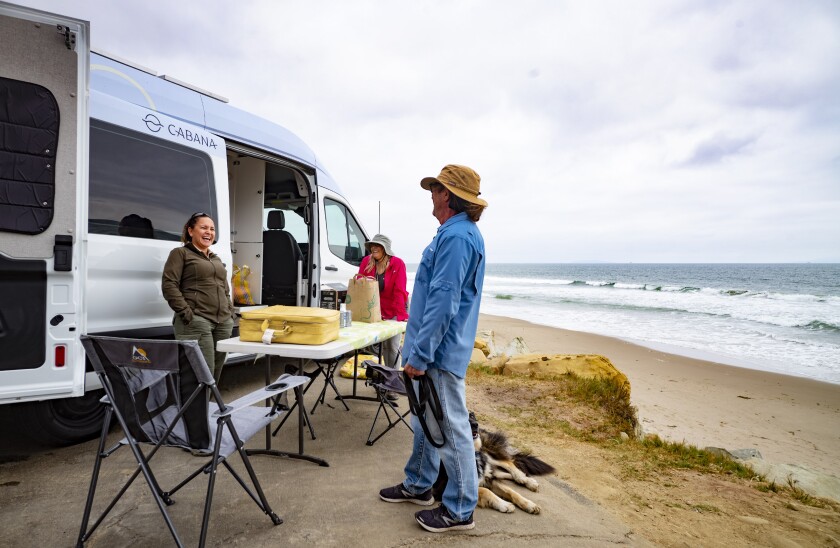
(44, 64)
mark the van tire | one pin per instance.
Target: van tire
(66, 421)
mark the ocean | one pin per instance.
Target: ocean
(783, 318)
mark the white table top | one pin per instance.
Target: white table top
(359, 335)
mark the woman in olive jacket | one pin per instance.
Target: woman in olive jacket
(195, 284)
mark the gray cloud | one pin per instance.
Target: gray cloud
(717, 149)
(695, 130)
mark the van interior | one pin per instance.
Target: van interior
(271, 230)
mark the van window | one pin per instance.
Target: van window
(143, 187)
(29, 121)
(345, 237)
(295, 224)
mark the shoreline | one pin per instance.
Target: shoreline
(788, 419)
(769, 365)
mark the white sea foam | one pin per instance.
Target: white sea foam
(731, 340)
(783, 322)
(620, 285)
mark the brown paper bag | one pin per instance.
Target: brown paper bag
(363, 299)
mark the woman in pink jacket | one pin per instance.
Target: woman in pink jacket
(393, 297)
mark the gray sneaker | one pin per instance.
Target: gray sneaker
(398, 493)
(439, 520)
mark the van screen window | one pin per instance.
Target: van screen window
(29, 120)
(345, 237)
(142, 187)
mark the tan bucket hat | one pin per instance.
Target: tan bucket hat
(460, 181)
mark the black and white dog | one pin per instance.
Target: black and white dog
(496, 460)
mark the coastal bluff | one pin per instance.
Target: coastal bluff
(516, 359)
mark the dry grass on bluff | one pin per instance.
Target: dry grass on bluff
(670, 493)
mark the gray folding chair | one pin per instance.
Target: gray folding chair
(385, 379)
(158, 392)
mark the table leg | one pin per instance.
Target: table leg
(306, 419)
(353, 396)
(328, 369)
(268, 401)
(301, 412)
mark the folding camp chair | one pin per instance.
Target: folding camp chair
(158, 392)
(385, 379)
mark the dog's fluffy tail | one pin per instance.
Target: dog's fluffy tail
(531, 465)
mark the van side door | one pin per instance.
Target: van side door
(43, 185)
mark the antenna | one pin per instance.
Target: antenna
(379, 218)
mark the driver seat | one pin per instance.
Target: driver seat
(281, 254)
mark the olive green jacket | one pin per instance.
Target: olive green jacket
(194, 283)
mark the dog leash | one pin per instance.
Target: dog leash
(428, 396)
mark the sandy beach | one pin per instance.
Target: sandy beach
(789, 420)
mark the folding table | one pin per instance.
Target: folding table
(327, 356)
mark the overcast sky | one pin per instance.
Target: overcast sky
(672, 131)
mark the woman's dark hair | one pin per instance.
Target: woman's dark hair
(191, 222)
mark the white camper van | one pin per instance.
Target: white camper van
(101, 163)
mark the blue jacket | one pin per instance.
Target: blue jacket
(447, 294)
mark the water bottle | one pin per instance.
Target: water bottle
(344, 316)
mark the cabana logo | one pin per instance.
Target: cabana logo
(138, 355)
(154, 125)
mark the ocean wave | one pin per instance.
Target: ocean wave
(526, 281)
(611, 305)
(511, 282)
(769, 295)
(817, 325)
(708, 305)
(783, 318)
(620, 285)
(800, 298)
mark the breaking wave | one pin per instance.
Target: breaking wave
(630, 286)
(817, 325)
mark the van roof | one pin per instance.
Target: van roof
(142, 86)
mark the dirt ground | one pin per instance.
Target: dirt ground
(667, 506)
(646, 504)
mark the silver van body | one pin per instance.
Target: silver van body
(134, 154)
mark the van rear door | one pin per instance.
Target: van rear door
(43, 187)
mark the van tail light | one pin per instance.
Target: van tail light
(60, 354)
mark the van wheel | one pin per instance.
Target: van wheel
(68, 420)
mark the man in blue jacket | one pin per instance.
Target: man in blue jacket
(438, 343)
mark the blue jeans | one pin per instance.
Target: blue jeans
(457, 454)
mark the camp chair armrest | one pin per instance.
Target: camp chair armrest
(283, 383)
